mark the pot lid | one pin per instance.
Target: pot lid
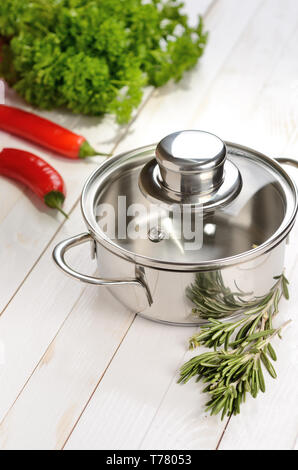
(192, 202)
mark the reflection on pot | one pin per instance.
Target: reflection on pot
(213, 299)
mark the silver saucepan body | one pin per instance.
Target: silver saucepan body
(247, 218)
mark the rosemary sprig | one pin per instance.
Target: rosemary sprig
(241, 349)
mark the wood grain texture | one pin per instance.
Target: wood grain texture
(133, 390)
(79, 372)
(35, 347)
(230, 106)
(66, 374)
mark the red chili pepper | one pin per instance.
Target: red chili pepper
(45, 133)
(35, 173)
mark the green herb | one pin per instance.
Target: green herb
(212, 299)
(95, 56)
(241, 349)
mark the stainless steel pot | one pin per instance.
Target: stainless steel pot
(236, 208)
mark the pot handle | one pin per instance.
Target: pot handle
(287, 161)
(59, 258)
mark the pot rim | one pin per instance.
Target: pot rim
(265, 247)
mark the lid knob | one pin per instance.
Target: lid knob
(191, 162)
(193, 168)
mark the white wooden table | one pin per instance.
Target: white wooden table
(77, 371)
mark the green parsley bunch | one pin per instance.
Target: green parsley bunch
(95, 56)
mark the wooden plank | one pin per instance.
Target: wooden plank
(29, 324)
(67, 374)
(75, 362)
(274, 110)
(229, 108)
(126, 402)
(34, 316)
